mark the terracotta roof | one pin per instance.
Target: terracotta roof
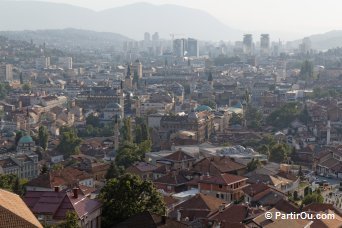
(14, 212)
(286, 206)
(231, 214)
(143, 166)
(255, 189)
(317, 207)
(161, 169)
(178, 156)
(147, 220)
(224, 179)
(172, 179)
(58, 203)
(68, 176)
(198, 206)
(222, 164)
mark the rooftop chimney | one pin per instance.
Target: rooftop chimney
(56, 188)
(75, 191)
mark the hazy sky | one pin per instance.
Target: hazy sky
(296, 17)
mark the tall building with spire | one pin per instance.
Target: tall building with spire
(128, 78)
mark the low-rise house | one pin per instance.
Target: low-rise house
(216, 165)
(65, 178)
(329, 163)
(225, 186)
(142, 169)
(177, 160)
(51, 207)
(260, 194)
(197, 208)
(174, 181)
(15, 213)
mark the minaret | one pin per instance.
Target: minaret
(328, 132)
(28, 122)
(116, 133)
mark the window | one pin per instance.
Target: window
(220, 185)
(217, 195)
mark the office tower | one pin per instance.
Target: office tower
(264, 44)
(192, 47)
(147, 37)
(305, 46)
(42, 63)
(247, 44)
(6, 72)
(65, 62)
(155, 37)
(179, 47)
(137, 68)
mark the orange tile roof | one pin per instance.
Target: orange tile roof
(14, 212)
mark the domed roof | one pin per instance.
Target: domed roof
(113, 105)
(26, 139)
(202, 108)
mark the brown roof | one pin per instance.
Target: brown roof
(286, 206)
(14, 212)
(231, 214)
(58, 203)
(142, 167)
(222, 164)
(224, 179)
(150, 220)
(317, 207)
(68, 177)
(172, 179)
(198, 206)
(255, 189)
(178, 156)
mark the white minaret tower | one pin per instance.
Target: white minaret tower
(328, 132)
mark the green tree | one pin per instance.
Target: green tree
(236, 119)
(279, 153)
(127, 196)
(18, 136)
(209, 103)
(26, 87)
(43, 137)
(253, 117)
(44, 169)
(126, 130)
(138, 134)
(300, 173)
(253, 164)
(3, 91)
(312, 198)
(282, 117)
(114, 171)
(295, 195)
(69, 142)
(71, 221)
(127, 154)
(93, 120)
(304, 116)
(306, 70)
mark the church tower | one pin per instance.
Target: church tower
(128, 78)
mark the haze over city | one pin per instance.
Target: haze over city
(286, 20)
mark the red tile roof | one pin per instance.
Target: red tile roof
(224, 179)
(178, 156)
(58, 203)
(14, 213)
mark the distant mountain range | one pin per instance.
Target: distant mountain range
(131, 20)
(68, 38)
(323, 41)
